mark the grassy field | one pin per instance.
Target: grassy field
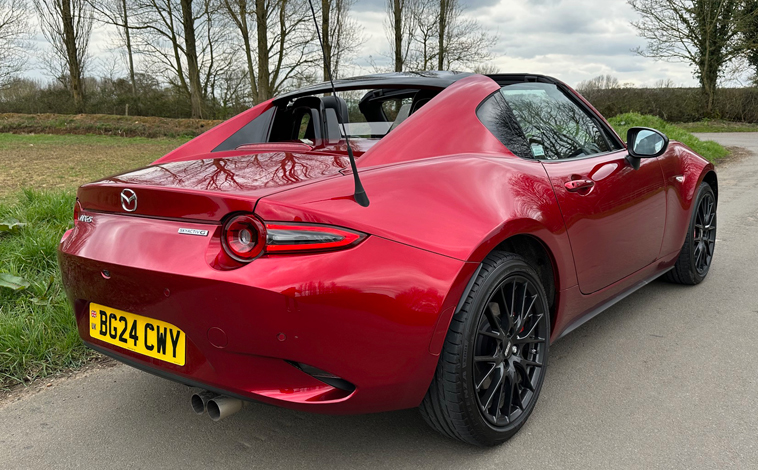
(67, 161)
(37, 186)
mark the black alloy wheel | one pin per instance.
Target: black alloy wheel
(696, 256)
(510, 350)
(494, 359)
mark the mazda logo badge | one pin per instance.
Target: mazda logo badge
(128, 200)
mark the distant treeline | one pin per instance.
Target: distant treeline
(676, 104)
(113, 96)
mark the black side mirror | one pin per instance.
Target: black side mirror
(643, 142)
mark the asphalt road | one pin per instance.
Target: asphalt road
(667, 378)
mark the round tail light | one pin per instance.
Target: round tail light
(243, 238)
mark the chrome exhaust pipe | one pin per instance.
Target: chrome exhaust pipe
(199, 401)
(221, 406)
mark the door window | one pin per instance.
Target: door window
(555, 127)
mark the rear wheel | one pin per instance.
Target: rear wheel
(494, 359)
(697, 253)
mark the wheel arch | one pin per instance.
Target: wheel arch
(712, 180)
(534, 249)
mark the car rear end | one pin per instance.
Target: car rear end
(190, 284)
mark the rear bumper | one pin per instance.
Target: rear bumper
(367, 314)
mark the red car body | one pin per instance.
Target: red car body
(444, 193)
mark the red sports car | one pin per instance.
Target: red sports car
(502, 212)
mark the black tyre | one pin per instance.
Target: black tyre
(697, 253)
(494, 359)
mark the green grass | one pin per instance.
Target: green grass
(38, 334)
(716, 125)
(708, 149)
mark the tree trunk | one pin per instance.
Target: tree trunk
(193, 70)
(74, 67)
(129, 54)
(444, 5)
(263, 72)
(398, 23)
(325, 7)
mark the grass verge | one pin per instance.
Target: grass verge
(708, 149)
(716, 125)
(38, 334)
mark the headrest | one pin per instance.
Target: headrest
(338, 105)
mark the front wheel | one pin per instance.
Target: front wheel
(694, 260)
(494, 359)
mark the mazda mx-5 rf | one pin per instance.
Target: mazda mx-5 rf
(500, 213)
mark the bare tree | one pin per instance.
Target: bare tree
(13, 33)
(401, 27)
(340, 34)
(464, 42)
(424, 49)
(444, 38)
(284, 41)
(117, 13)
(67, 25)
(601, 82)
(187, 41)
(703, 33)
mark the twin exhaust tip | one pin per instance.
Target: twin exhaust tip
(217, 406)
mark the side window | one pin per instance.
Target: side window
(555, 127)
(391, 108)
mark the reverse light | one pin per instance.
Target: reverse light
(299, 238)
(243, 238)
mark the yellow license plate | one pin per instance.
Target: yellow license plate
(143, 335)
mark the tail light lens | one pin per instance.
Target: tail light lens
(243, 238)
(296, 238)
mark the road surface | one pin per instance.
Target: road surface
(667, 378)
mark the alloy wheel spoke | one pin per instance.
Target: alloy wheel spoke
(534, 326)
(491, 334)
(491, 359)
(506, 395)
(481, 382)
(527, 340)
(492, 391)
(492, 312)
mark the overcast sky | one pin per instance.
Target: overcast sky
(572, 40)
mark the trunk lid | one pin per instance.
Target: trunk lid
(207, 188)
